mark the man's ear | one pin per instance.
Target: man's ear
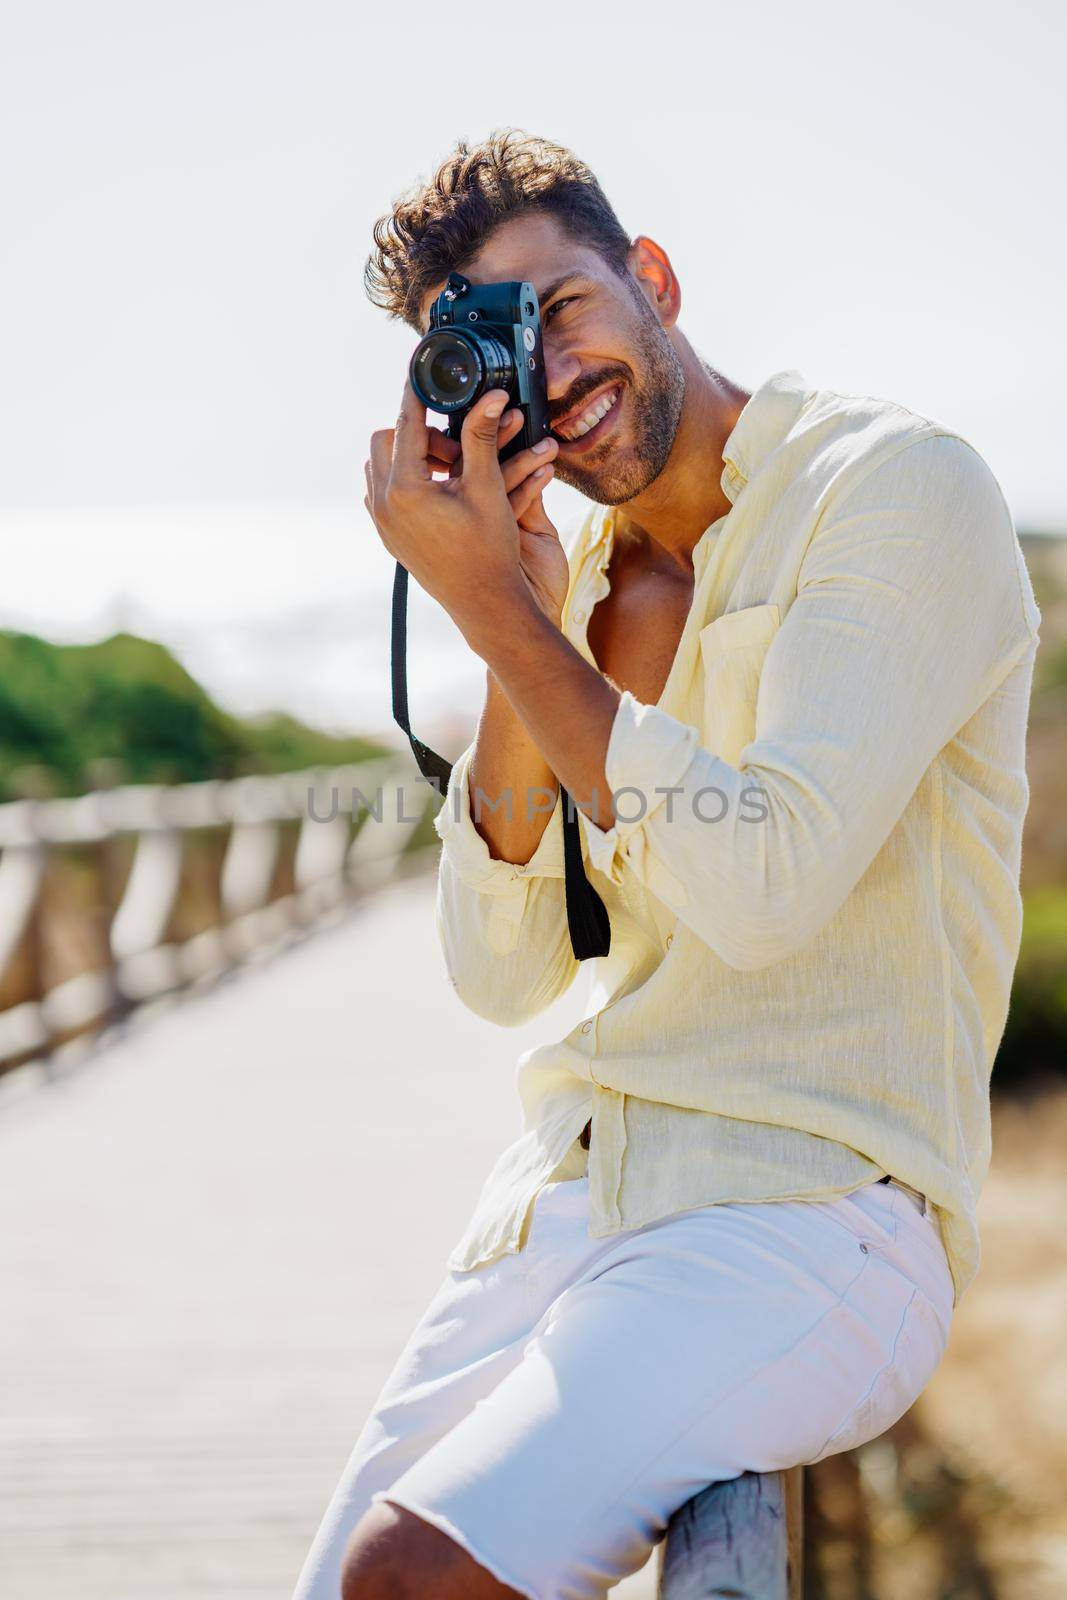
(651, 266)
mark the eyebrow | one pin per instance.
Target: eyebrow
(556, 285)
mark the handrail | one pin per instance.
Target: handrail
(353, 835)
(742, 1537)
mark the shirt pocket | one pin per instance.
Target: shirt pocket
(732, 650)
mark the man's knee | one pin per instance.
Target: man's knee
(394, 1555)
(375, 1557)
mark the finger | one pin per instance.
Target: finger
(381, 458)
(443, 454)
(441, 446)
(510, 425)
(518, 468)
(481, 429)
(530, 490)
(410, 438)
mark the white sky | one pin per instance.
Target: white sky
(190, 371)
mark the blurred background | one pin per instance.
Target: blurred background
(205, 1001)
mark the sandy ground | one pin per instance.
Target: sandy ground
(997, 1406)
(963, 1498)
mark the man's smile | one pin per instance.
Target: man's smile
(588, 423)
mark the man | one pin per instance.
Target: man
(784, 671)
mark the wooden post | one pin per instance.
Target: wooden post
(257, 886)
(113, 852)
(741, 1538)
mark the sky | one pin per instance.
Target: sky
(190, 371)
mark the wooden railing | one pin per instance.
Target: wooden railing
(742, 1538)
(122, 895)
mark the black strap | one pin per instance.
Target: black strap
(431, 765)
(587, 917)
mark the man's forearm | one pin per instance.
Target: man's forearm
(547, 699)
(512, 788)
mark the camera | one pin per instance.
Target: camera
(484, 336)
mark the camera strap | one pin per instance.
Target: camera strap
(587, 917)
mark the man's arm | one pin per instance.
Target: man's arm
(513, 789)
(501, 914)
(909, 613)
(501, 905)
(502, 918)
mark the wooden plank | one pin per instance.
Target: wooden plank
(737, 1540)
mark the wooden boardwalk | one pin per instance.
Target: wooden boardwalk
(204, 1286)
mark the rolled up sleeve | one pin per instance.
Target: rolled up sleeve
(502, 925)
(468, 852)
(910, 611)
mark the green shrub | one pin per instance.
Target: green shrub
(1035, 1038)
(65, 708)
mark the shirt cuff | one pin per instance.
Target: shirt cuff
(648, 752)
(468, 853)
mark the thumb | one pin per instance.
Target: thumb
(480, 438)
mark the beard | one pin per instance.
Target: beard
(654, 409)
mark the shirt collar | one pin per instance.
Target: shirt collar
(760, 429)
(601, 522)
(764, 422)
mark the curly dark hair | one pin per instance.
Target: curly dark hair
(438, 226)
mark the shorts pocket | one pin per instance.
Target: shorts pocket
(917, 1352)
(867, 1213)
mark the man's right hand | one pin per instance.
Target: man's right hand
(506, 759)
(526, 476)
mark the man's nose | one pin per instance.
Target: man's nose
(561, 371)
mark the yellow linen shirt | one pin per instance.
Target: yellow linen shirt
(813, 878)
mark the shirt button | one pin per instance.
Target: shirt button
(586, 1026)
(670, 937)
(579, 615)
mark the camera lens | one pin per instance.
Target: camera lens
(451, 367)
(453, 372)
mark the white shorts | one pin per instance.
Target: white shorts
(551, 1410)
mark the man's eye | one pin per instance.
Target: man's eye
(556, 305)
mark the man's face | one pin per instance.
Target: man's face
(615, 381)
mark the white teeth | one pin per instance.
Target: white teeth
(590, 418)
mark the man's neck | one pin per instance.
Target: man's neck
(687, 497)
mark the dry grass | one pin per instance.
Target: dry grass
(964, 1498)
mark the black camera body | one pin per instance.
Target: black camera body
(484, 336)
